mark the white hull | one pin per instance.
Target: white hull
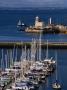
(56, 86)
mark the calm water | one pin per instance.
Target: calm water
(9, 32)
(9, 20)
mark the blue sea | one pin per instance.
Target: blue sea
(10, 18)
(10, 32)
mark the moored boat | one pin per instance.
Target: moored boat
(56, 85)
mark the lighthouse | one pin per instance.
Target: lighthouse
(38, 24)
(36, 20)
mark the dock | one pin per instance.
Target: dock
(51, 45)
(26, 67)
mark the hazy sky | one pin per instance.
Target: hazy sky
(33, 3)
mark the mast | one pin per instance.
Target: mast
(6, 61)
(37, 51)
(16, 55)
(11, 58)
(56, 65)
(21, 58)
(47, 51)
(13, 53)
(40, 46)
(33, 49)
(15, 62)
(28, 53)
(25, 52)
(23, 55)
(2, 64)
(8, 58)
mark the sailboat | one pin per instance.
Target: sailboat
(47, 59)
(19, 23)
(56, 85)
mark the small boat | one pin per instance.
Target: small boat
(56, 85)
(19, 23)
(21, 26)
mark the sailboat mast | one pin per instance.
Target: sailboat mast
(40, 46)
(15, 62)
(6, 61)
(31, 52)
(47, 50)
(13, 53)
(33, 49)
(56, 66)
(2, 62)
(28, 54)
(16, 55)
(37, 52)
(11, 59)
(25, 52)
(21, 58)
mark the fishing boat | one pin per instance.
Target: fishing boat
(56, 85)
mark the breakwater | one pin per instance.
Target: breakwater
(52, 45)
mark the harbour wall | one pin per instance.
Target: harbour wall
(51, 45)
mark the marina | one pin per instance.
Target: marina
(26, 65)
(21, 68)
(28, 73)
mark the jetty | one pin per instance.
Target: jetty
(51, 45)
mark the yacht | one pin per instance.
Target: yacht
(56, 85)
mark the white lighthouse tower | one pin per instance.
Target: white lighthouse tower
(36, 20)
(38, 24)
